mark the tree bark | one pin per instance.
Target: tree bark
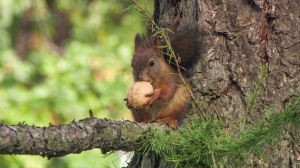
(75, 137)
(236, 39)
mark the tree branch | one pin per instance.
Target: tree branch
(75, 137)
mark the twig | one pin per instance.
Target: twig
(213, 157)
(91, 114)
(176, 60)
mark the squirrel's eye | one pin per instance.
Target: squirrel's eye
(151, 63)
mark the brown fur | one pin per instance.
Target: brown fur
(167, 101)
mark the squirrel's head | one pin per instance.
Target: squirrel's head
(148, 60)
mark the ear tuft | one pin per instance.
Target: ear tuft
(157, 42)
(157, 47)
(138, 42)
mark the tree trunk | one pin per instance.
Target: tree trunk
(237, 38)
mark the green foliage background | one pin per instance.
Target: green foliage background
(93, 72)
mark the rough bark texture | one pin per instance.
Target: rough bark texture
(75, 137)
(237, 37)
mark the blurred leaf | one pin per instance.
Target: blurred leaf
(94, 72)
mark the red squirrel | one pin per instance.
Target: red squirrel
(168, 101)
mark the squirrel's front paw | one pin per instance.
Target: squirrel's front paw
(153, 96)
(129, 106)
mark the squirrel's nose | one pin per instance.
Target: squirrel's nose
(140, 78)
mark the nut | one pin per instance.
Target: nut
(136, 94)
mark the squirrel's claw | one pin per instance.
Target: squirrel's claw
(171, 121)
(149, 94)
(153, 96)
(129, 106)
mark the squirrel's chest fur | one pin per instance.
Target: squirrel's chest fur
(172, 108)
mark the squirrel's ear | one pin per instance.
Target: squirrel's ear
(138, 42)
(157, 42)
(157, 46)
